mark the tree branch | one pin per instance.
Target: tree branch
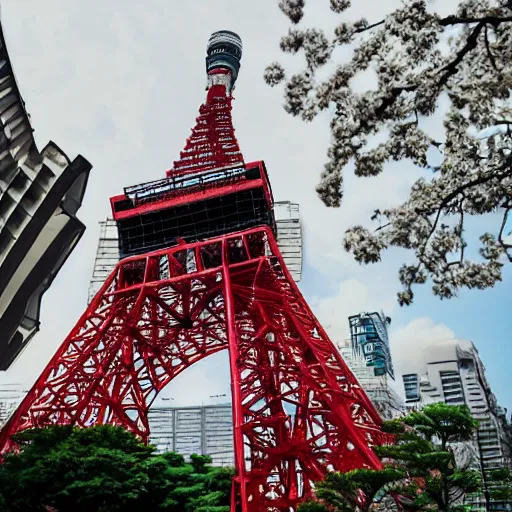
(505, 246)
(471, 43)
(489, 53)
(492, 20)
(461, 188)
(393, 94)
(382, 227)
(369, 27)
(460, 261)
(449, 70)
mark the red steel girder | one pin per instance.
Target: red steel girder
(298, 411)
(212, 144)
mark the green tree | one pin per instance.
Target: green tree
(424, 451)
(500, 485)
(355, 490)
(104, 469)
(420, 468)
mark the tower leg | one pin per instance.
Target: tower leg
(298, 412)
(304, 412)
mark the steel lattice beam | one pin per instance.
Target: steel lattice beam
(159, 313)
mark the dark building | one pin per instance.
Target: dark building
(40, 194)
(411, 387)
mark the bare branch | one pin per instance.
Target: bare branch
(506, 247)
(492, 20)
(471, 43)
(369, 27)
(382, 227)
(469, 184)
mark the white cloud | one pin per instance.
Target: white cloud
(408, 343)
(202, 383)
(352, 297)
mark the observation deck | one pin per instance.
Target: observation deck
(192, 207)
(210, 191)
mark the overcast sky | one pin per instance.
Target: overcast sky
(120, 82)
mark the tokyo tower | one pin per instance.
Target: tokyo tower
(200, 271)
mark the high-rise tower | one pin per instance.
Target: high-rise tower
(201, 272)
(369, 335)
(41, 192)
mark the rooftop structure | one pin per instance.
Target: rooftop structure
(369, 335)
(224, 51)
(40, 194)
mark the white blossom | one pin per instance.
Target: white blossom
(344, 33)
(294, 9)
(339, 5)
(416, 63)
(274, 74)
(365, 246)
(293, 41)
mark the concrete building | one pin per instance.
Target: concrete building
(289, 236)
(11, 395)
(454, 373)
(369, 337)
(204, 430)
(40, 194)
(379, 388)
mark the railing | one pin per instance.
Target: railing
(175, 185)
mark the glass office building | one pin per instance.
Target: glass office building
(369, 337)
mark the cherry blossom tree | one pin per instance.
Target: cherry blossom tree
(418, 58)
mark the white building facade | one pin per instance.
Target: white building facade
(204, 430)
(379, 388)
(11, 395)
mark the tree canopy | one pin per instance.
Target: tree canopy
(106, 468)
(458, 67)
(420, 471)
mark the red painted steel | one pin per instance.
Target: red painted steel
(203, 195)
(298, 410)
(212, 143)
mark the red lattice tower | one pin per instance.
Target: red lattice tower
(201, 272)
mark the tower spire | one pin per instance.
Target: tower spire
(212, 144)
